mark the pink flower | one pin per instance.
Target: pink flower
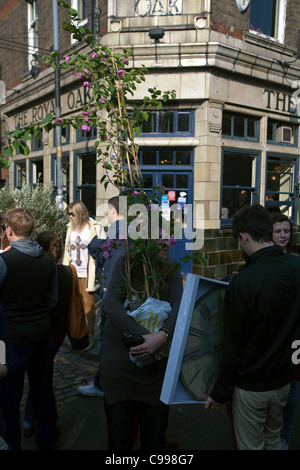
(67, 58)
(102, 100)
(59, 121)
(121, 73)
(87, 72)
(85, 127)
(173, 241)
(107, 137)
(105, 254)
(94, 55)
(87, 84)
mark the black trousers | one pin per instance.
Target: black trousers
(123, 418)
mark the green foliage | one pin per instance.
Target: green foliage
(39, 200)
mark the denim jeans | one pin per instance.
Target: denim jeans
(36, 360)
(289, 413)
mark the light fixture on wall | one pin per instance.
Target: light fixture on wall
(156, 34)
(34, 70)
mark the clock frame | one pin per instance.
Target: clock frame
(176, 388)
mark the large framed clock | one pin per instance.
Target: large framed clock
(197, 344)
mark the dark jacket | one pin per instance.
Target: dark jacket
(261, 320)
(28, 291)
(104, 266)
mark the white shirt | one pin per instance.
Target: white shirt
(79, 253)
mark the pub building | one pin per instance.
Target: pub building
(230, 137)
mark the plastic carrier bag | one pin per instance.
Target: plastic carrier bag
(151, 315)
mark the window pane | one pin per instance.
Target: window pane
(239, 126)
(166, 124)
(148, 181)
(88, 169)
(262, 16)
(167, 181)
(150, 126)
(280, 175)
(226, 124)
(237, 170)
(149, 157)
(181, 181)
(21, 174)
(183, 157)
(251, 127)
(234, 199)
(166, 157)
(270, 130)
(183, 122)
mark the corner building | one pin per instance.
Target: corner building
(232, 134)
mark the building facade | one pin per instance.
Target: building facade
(230, 137)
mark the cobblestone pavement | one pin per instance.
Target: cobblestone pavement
(82, 419)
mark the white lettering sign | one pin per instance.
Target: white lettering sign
(158, 7)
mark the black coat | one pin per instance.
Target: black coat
(261, 321)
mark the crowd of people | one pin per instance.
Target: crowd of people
(261, 321)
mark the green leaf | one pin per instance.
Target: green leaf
(8, 151)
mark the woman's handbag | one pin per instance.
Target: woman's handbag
(77, 328)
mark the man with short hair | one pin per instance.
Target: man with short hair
(28, 292)
(261, 321)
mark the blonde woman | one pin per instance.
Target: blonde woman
(81, 230)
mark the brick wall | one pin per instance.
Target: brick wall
(223, 255)
(292, 32)
(226, 18)
(13, 25)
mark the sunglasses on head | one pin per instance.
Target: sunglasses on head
(71, 213)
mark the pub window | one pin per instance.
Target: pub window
(267, 17)
(240, 182)
(65, 135)
(169, 122)
(280, 179)
(86, 135)
(37, 142)
(165, 157)
(86, 181)
(36, 173)
(81, 6)
(281, 132)
(20, 174)
(240, 126)
(32, 20)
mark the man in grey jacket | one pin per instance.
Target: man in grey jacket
(28, 292)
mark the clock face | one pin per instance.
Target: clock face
(203, 349)
(242, 4)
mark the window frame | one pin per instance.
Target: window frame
(255, 190)
(32, 26)
(83, 22)
(233, 116)
(292, 194)
(279, 22)
(17, 163)
(175, 132)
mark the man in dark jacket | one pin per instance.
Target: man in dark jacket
(106, 253)
(261, 321)
(28, 292)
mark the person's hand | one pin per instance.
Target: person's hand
(153, 343)
(212, 404)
